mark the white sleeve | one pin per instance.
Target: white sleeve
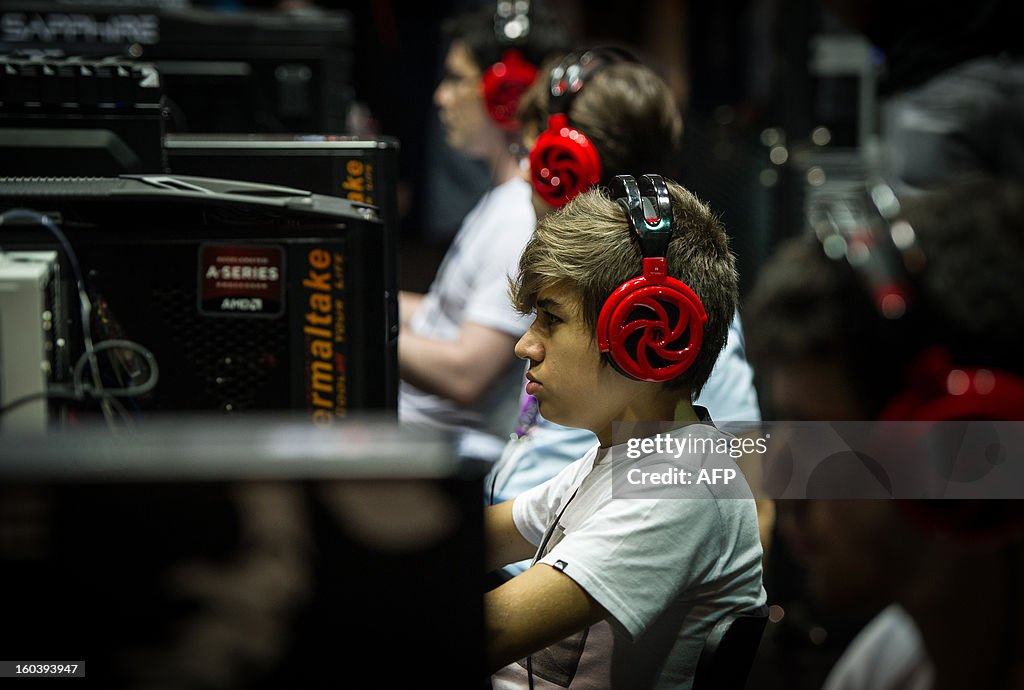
(536, 508)
(729, 394)
(635, 556)
(508, 224)
(547, 450)
(887, 654)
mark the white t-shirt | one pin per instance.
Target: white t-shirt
(471, 286)
(666, 566)
(886, 655)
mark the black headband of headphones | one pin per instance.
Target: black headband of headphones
(576, 69)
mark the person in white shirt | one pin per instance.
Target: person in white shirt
(627, 115)
(455, 342)
(627, 580)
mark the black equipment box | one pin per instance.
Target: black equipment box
(251, 297)
(243, 71)
(358, 169)
(80, 117)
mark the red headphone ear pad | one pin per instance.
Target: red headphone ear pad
(937, 390)
(563, 162)
(641, 324)
(503, 85)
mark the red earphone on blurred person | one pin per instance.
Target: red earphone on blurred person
(505, 81)
(563, 161)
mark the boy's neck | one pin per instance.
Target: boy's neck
(664, 406)
(504, 166)
(685, 411)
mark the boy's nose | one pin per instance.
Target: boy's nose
(529, 347)
(440, 95)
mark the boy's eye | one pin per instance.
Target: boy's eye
(547, 318)
(453, 78)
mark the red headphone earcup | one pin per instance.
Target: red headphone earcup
(652, 331)
(563, 163)
(503, 85)
(937, 391)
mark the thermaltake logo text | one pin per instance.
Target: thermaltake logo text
(59, 27)
(358, 184)
(324, 334)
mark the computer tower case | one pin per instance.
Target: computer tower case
(363, 170)
(250, 297)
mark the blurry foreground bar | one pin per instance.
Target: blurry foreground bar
(262, 553)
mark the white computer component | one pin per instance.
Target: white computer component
(28, 285)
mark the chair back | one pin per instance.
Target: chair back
(729, 651)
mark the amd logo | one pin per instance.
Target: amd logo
(241, 304)
(54, 27)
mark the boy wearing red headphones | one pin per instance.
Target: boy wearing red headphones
(920, 323)
(589, 116)
(455, 344)
(592, 115)
(633, 296)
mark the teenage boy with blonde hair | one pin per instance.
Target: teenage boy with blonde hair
(633, 297)
(625, 114)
